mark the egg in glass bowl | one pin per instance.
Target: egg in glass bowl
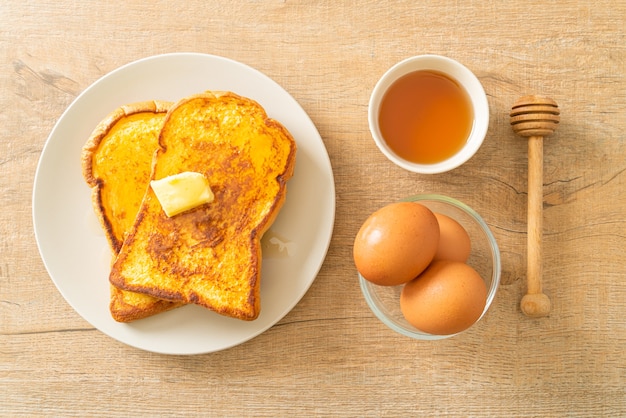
(423, 284)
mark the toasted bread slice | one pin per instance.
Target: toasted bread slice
(116, 163)
(211, 255)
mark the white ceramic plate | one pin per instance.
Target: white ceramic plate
(75, 251)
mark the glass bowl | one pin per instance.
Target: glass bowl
(384, 301)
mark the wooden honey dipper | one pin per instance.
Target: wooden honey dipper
(534, 117)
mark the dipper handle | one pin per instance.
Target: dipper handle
(534, 117)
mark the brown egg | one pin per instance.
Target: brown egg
(445, 299)
(454, 242)
(396, 243)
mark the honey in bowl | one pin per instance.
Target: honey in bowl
(425, 117)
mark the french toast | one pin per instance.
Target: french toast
(211, 255)
(116, 162)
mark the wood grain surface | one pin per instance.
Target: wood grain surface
(330, 356)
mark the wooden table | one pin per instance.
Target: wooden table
(330, 355)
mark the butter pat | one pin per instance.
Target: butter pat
(181, 192)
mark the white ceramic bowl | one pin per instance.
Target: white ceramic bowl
(384, 301)
(454, 70)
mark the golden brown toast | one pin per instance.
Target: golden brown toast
(116, 163)
(211, 255)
